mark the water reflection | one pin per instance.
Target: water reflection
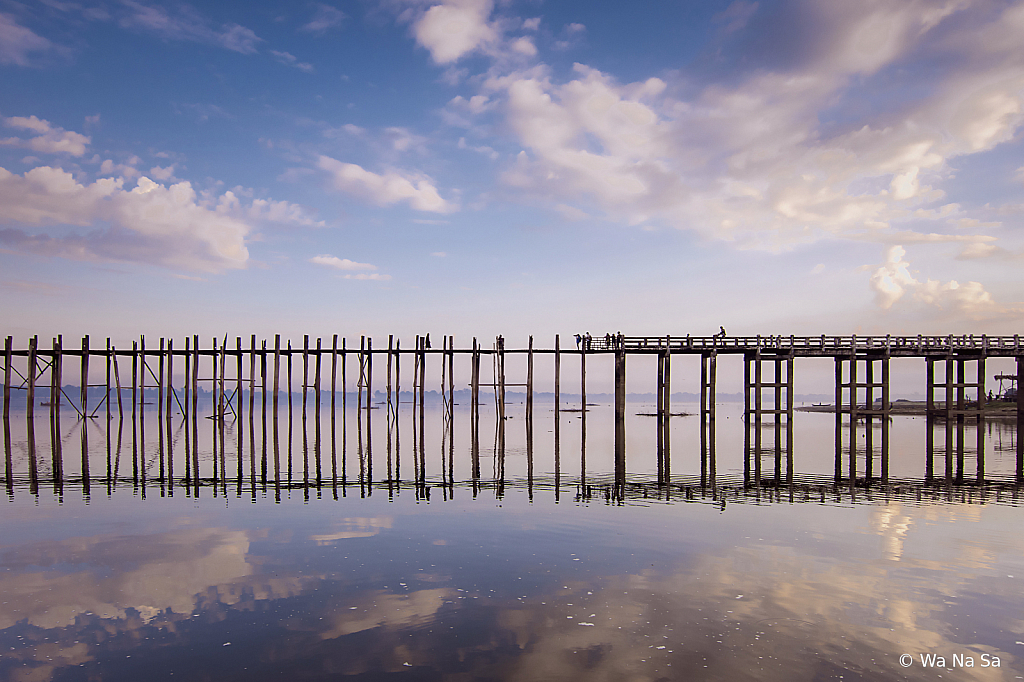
(569, 554)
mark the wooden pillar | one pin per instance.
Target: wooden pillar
(334, 380)
(53, 378)
(620, 408)
(277, 371)
(252, 390)
(106, 397)
(369, 375)
(949, 394)
(790, 362)
(451, 386)
(667, 403)
(391, 350)
(885, 417)
(170, 379)
(1020, 419)
(981, 402)
(961, 405)
(30, 394)
(475, 381)
(85, 375)
(8, 357)
(583, 380)
(839, 418)
(529, 385)
(660, 414)
(305, 375)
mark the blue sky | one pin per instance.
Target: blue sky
(473, 167)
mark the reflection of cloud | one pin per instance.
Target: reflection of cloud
(112, 574)
(383, 609)
(358, 527)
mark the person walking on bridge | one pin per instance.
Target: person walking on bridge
(721, 331)
(578, 340)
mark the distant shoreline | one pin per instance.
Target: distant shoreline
(993, 410)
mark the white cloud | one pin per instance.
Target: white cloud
(49, 139)
(390, 188)
(370, 276)
(455, 28)
(162, 173)
(892, 281)
(187, 24)
(127, 171)
(754, 160)
(403, 140)
(17, 42)
(325, 18)
(340, 263)
(289, 59)
(532, 24)
(151, 223)
(356, 270)
(524, 46)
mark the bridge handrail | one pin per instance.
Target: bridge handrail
(822, 342)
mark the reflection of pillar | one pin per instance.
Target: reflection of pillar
(558, 367)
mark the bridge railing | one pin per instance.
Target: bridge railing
(824, 342)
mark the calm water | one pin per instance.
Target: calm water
(372, 552)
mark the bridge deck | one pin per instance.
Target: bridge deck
(818, 346)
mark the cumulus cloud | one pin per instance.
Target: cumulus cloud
(187, 24)
(47, 139)
(390, 188)
(893, 281)
(455, 28)
(17, 42)
(151, 223)
(288, 59)
(778, 155)
(172, 226)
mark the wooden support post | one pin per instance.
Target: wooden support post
(529, 384)
(160, 389)
(949, 417)
(660, 414)
(53, 377)
(885, 417)
(475, 381)
(583, 382)
(391, 352)
(620, 405)
(369, 375)
(451, 383)
(170, 378)
(305, 375)
(30, 394)
(8, 357)
(789, 418)
(135, 380)
(1020, 419)
(961, 395)
(316, 408)
(839, 418)
(85, 375)
(980, 420)
(106, 398)
(239, 390)
(277, 371)
(334, 379)
(252, 385)
(667, 404)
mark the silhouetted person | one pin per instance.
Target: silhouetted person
(578, 340)
(427, 342)
(722, 331)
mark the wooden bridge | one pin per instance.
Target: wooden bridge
(955, 378)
